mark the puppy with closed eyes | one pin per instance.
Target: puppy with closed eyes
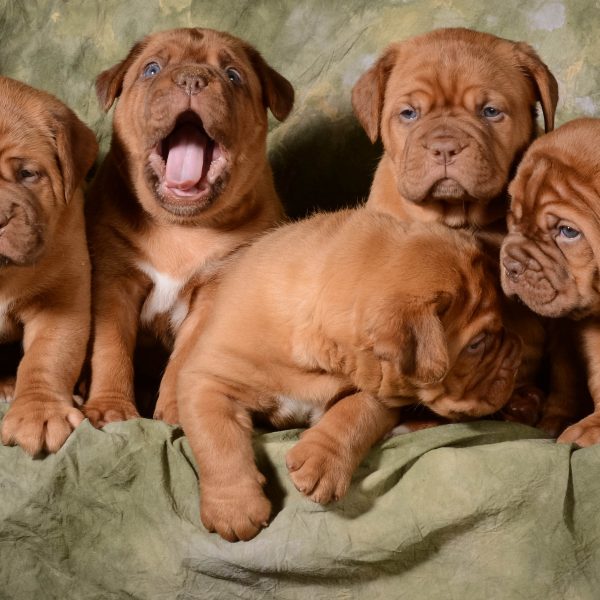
(186, 183)
(337, 320)
(551, 255)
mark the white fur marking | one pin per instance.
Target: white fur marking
(164, 297)
(298, 410)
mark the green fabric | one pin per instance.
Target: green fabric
(476, 511)
(484, 510)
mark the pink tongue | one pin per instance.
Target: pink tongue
(185, 157)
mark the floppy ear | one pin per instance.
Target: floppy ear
(278, 93)
(109, 84)
(368, 93)
(76, 149)
(546, 87)
(416, 339)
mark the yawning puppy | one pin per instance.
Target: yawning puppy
(337, 320)
(551, 256)
(45, 152)
(185, 183)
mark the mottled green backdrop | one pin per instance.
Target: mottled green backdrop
(320, 155)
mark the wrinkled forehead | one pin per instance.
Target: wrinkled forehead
(195, 45)
(455, 73)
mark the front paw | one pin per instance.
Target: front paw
(39, 425)
(167, 411)
(101, 411)
(236, 512)
(318, 472)
(584, 433)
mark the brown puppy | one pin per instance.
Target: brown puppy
(455, 109)
(45, 152)
(551, 256)
(339, 319)
(185, 183)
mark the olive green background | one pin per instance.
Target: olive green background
(461, 512)
(320, 155)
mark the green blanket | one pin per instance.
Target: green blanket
(484, 510)
(480, 511)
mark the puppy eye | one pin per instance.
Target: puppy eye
(568, 233)
(492, 113)
(477, 343)
(234, 76)
(151, 69)
(409, 114)
(28, 176)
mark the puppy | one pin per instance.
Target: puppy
(456, 109)
(186, 182)
(338, 320)
(551, 255)
(45, 152)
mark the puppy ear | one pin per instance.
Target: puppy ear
(76, 149)
(546, 87)
(109, 84)
(278, 92)
(416, 339)
(368, 93)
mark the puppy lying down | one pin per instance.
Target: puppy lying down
(337, 321)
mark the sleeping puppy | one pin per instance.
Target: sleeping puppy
(337, 320)
(456, 109)
(551, 256)
(185, 183)
(45, 152)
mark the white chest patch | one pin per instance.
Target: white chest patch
(164, 297)
(298, 411)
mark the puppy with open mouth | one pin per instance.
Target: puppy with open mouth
(551, 255)
(186, 183)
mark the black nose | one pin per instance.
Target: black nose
(444, 149)
(191, 81)
(514, 268)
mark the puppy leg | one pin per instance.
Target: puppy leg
(322, 463)
(587, 431)
(166, 405)
(42, 416)
(219, 430)
(116, 314)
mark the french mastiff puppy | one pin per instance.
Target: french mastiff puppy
(186, 182)
(551, 256)
(335, 320)
(45, 152)
(456, 109)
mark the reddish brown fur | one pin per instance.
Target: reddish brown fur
(136, 226)
(350, 314)
(45, 151)
(558, 185)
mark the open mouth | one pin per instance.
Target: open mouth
(188, 162)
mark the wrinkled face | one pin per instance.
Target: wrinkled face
(549, 258)
(192, 115)
(483, 356)
(458, 110)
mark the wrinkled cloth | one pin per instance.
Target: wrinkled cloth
(481, 510)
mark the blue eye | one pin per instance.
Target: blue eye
(409, 114)
(568, 232)
(151, 69)
(491, 112)
(234, 76)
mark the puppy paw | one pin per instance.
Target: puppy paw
(236, 513)
(39, 426)
(584, 433)
(103, 411)
(7, 390)
(167, 411)
(319, 473)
